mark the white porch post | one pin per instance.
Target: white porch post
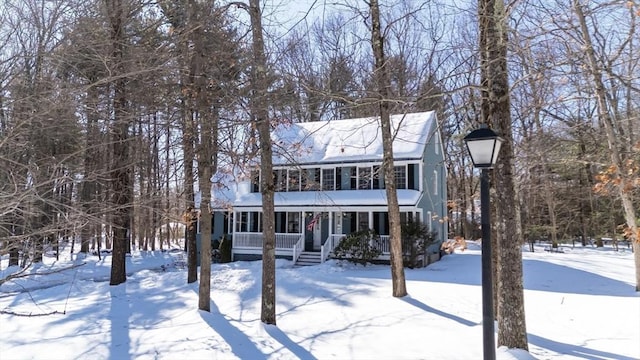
(233, 223)
(330, 223)
(303, 224)
(370, 219)
(233, 232)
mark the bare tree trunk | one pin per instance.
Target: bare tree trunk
(120, 177)
(614, 142)
(205, 153)
(382, 78)
(88, 190)
(204, 181)
(496, 110)
(260, 117)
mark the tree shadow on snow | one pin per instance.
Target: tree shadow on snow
(545, 276)
(119, 313)
(422, 306)
(574, 350)
(131, 306)
(241, 345)
(538, 275)
(282, 338)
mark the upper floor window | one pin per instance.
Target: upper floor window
(280, 179)
(378, 177)
(435, 182)
(255, 181)
(364, 178)
(412, 177)
(353, 177)
(328, 179)
(294, 180)
(401, 176)
(341, 178)
(311, 179)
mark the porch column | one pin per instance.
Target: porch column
(233, 223)
(330, 223)
(233, 232)
(370, 219)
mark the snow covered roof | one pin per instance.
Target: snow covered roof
(351, 140)
(339, 198)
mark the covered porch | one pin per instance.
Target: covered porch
(309, 231)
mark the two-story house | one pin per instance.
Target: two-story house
(329, 183)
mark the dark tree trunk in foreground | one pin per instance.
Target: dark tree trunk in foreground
(260, 117)
(383, 84)
(512, 331)
(120, 177)
(204, 176)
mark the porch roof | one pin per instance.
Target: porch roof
(338, 198)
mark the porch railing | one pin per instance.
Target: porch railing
(298, 248)
(332, 241)
(254, 240)
(384, 245)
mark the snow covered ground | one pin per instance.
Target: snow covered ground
(580, 304)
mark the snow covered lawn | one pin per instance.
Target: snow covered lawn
(580, 304)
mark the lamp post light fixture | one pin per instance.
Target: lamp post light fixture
(484, 145)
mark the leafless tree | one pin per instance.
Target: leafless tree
(496, 112)
(619, 139)
(383, 84)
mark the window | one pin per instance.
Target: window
(338, 178)
(406, 217)
(255, 222)
(435, 182)
(381, 223)
(363, 221)
(294, 180)
(242, 224)
(378, 177)
(293, 222)
(328, 179)
(353, 177)
(401, 176)
(311, 179)
(412, 171)
(280, 179)
(364, 178)
(280, 218)
(255, 181)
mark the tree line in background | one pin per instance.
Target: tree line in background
(113, 113)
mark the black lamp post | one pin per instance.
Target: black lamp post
(484, 145)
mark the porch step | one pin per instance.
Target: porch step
(308, 258)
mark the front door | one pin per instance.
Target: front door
(317, 232)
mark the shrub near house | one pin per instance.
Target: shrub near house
(359, 247)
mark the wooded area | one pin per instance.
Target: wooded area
(113, 113)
